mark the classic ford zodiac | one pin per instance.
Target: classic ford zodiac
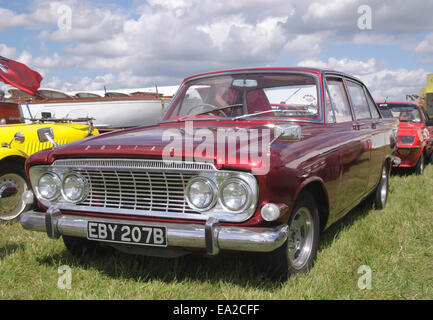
(18, 142)
(415, 134)
(253, 160)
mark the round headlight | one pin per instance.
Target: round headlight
(234, 195)
(74, 188)
(48, 186)
(200, 193)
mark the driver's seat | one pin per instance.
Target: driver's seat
(257, 101)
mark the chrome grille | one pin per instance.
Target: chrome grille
(137, 191)
(135, 186)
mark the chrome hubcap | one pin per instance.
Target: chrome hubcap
(12, 206)
(384, 189)
(300, 240)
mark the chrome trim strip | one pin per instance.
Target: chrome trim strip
(178, 235)
(136, 164)
(212, 248)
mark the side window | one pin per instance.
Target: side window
(338, 100)
(359, 102)
(373, 106)
(330, 116)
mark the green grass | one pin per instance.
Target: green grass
(396, 243)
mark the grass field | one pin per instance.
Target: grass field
(396, 244)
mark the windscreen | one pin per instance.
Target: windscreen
(403, 112)
(288, 95)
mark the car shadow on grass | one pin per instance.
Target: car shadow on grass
(355, 215)
(239, 269)
(9, 248)
(403, 172)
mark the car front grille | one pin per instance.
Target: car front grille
(138, 187)
(138, 191)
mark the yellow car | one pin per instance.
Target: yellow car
(18, 142)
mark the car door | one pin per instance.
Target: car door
(352, 180)
(379, 141)
(362, 127)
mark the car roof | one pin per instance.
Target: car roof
(259, 69)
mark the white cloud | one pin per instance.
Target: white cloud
(47, 61)
(165, 40)
(380, 80)
(10, 19)
(425, 47)
(8, 52)
(89, 84)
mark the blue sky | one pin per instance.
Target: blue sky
(86, 45)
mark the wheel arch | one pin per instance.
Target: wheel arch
(316, 187)
(14, 159)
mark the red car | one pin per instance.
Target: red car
(415, 134)
(224, 170)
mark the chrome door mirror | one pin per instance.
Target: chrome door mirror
(19, 137)
(46, 135)
(290, 132)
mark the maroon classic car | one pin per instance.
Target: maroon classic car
(415, 134)
(253, 160)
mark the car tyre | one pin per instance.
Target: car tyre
(382, 190)
(12, 207)
(298, 253)
(419, 168)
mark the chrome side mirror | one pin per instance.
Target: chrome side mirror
(46, 135)
(290, 132)
(19, 137)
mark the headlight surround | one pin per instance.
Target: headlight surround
(74, 188)
(200, 193)
(234, 195)
(49, 186)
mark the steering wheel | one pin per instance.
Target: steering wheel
(209, 105)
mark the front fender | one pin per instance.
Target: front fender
(6, 153)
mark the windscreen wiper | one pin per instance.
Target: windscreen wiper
(192, 116)
(262, 112)
(218, 109)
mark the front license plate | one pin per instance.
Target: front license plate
(127, 233)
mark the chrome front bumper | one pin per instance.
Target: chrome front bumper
(211, 236)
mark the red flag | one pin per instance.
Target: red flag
(19, 75)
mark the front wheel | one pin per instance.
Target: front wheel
(12, 178)
(298, 253)
(419, 168)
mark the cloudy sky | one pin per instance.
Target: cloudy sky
(86, 45)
